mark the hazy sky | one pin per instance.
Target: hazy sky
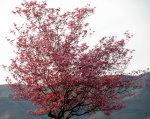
(111, 17)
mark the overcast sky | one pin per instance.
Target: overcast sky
(111, 17)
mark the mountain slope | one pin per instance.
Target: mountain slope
(14, 109)
(137, 107)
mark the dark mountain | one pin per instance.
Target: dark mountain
(137, 107)
(11, 108)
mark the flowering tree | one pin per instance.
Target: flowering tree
(62, 75)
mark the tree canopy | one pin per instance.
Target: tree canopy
(61, 75)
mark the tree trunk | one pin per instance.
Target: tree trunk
(68, 118)
(59, 116)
